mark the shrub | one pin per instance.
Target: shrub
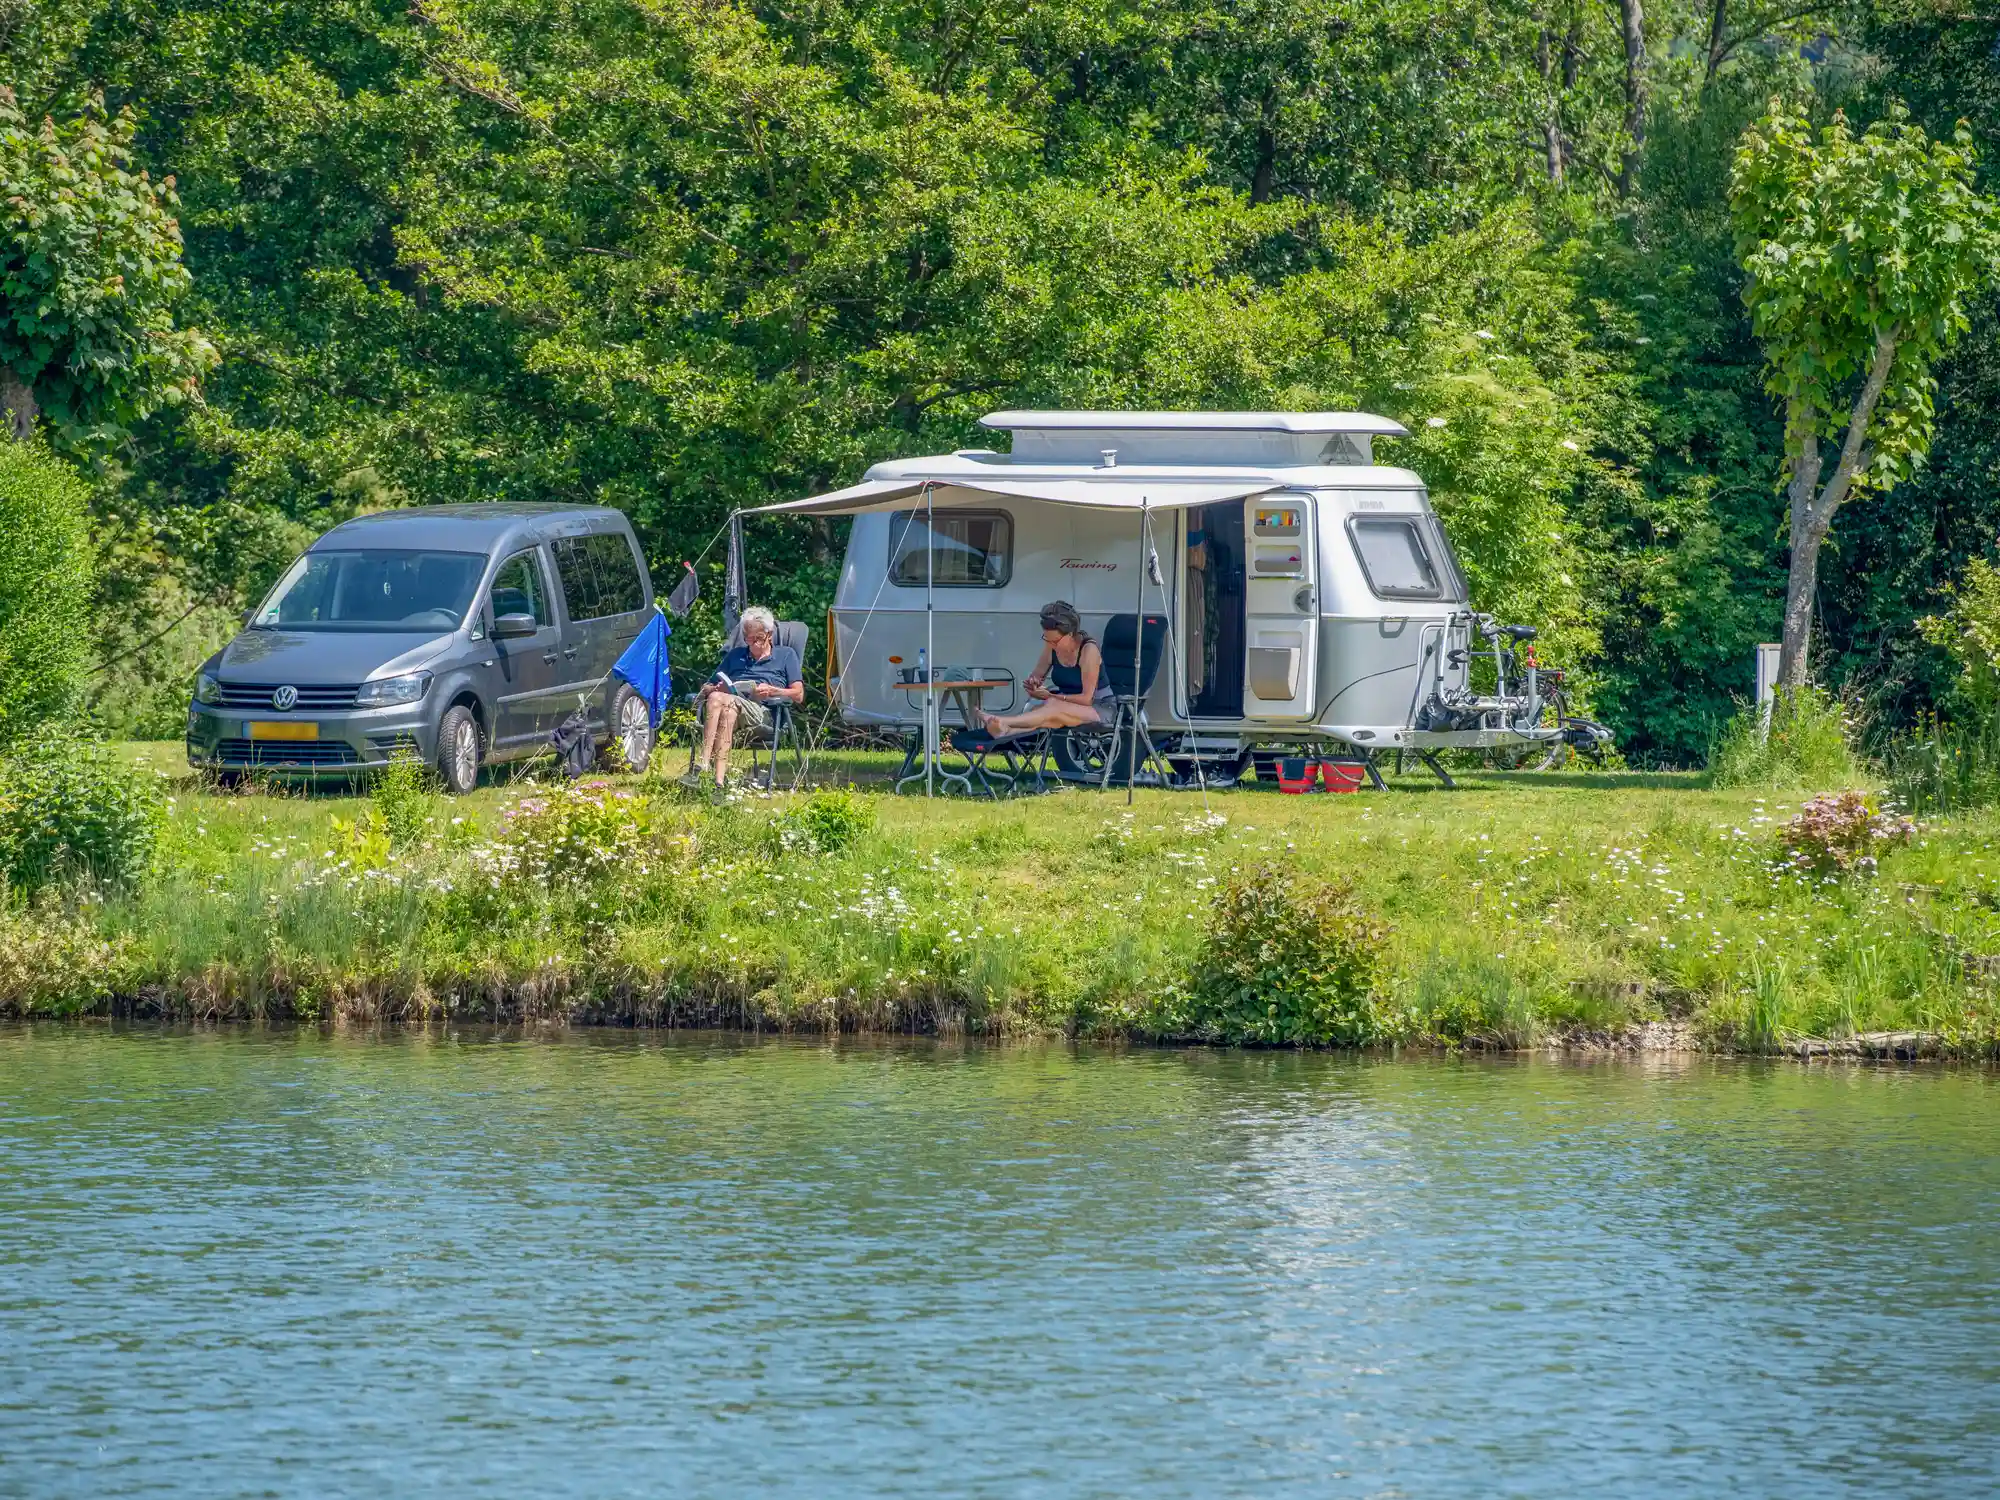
(1839, 833)
(57, 963)
(826, 821)
(405, 799)
(69, 811)
(1804, 742)
(569, 835)
(1969, 632)
(45, 588)
(1951, 760)
(1287, 962)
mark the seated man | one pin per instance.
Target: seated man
(754, 674)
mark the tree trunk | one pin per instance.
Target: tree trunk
(1718, 30)
(1803, 579)
(1813, 508)
(1264, 176)
(1552, 136)
(1635, 92)
(19, 403)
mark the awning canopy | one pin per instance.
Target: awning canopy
(1093, 494)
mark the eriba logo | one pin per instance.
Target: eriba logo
(1088, 567)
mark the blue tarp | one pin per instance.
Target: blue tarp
(644, 665)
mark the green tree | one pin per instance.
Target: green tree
(90, 266)
(45, 587)
(1861, 252)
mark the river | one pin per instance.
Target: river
(245, 1263)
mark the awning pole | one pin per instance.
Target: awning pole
(1139, 660)
(930, 639)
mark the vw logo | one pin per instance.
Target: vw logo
(284, 697)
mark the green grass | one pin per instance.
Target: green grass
(1523, 908)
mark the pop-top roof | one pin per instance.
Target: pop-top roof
(1194, 421)
(1264, 439)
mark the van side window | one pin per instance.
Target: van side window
(600, 576)
(974, 548)
(519, 589)
(1394, 556)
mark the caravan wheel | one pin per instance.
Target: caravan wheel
(1081, 755)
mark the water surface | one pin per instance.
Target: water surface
(235, 1263)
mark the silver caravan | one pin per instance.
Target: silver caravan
(1310, 594)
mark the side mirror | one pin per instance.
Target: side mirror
(507, 627)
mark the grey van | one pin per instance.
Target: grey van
(462, 633)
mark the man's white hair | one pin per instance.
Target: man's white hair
(756, 614)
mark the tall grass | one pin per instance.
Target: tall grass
(1803, 742)
(1516, 914)
(1945, 766)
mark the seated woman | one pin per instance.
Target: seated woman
(1068, 681)
(752, 675)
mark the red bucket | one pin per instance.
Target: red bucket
(1296, 774)
(1342, 775)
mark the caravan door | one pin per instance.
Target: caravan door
(1281, 608)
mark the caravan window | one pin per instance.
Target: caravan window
(1404, 557)
(974, 548)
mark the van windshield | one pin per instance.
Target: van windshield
(375, 588)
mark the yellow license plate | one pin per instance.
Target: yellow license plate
(279, 729)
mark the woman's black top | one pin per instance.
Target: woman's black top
(1070, 679)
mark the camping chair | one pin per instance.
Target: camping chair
(784, 730)
(1132, 648)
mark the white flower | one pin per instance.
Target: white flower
(1434, 422)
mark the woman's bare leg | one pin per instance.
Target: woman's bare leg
(1045, 715)
(725, 735)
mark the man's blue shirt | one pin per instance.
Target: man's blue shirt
(779, 669)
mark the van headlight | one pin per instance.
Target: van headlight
(207, 688)
(384, 691)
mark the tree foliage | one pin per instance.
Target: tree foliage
(682, 257)
(1861, 252)
(90, 267)
(45, 588)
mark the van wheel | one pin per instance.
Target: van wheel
(631, 727)
(458, 750)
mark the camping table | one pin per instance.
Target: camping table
(963, 694)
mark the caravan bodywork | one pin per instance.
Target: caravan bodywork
(1311, 593)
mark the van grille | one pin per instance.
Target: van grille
(311, 698)
(285, 753)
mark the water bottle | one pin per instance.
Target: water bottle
(923, 666)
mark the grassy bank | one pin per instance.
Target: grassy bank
(1520, 909)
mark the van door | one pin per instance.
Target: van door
(604, 601)
(1281, 615)
(525, 664)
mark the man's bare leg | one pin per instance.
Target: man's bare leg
(725, 735)
(709, 716)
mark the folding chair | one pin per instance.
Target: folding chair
(1132, 648)
(784, 727)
